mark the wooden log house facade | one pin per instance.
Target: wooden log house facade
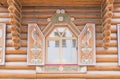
(60, 39)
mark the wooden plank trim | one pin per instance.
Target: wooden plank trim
(7, 67)
(19, 76)
(98, 30)
(87, 76)
(98, 44)
(103, 68)
(100, 52)
(97, 59)
(89, 68)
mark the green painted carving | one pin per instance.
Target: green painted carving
(51, 68)
(61, 68)
(61, 17)
(70, 68)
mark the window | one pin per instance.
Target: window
(66, 48)
(62, 47)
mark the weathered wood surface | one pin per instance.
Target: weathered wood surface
(54, 2)
(107, 13)
(98, 59)
(14, 8)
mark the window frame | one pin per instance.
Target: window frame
(60, 44)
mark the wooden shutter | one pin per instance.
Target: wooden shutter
(87, 48)
(2, 43)
(118, 34)
(36, 45)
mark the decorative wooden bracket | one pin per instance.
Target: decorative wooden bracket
(107, 13)
(15, 21)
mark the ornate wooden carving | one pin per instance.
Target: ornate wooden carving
(2, 43)
(86, 47)
(15, 15)
(107, 13)
(36, 45)
(61, 69)
(61, 18)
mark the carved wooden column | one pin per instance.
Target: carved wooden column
(14, 7)
(107, 13)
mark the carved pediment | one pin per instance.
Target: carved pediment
(60, 18)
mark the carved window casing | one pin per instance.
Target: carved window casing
(61, 46)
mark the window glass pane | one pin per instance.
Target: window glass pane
(61, 29)
(69, 53)
(63, 43)
(63, 35)
(53, 52)
(68, 33)
(73, 43)
(54, 33)
(56, 43)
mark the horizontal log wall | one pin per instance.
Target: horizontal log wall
(106, 67)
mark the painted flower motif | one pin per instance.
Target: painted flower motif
(58, 11)
(48, 19)
(39, 69)
(86, 59)
(62, 11)
(61, 68)
(37, 61)
(60, 18)
(72, 19)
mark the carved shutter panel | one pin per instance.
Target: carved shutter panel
(87, 48)
(118, 34)
(36, 45)
(2, 43)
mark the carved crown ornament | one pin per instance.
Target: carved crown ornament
(61, 18)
